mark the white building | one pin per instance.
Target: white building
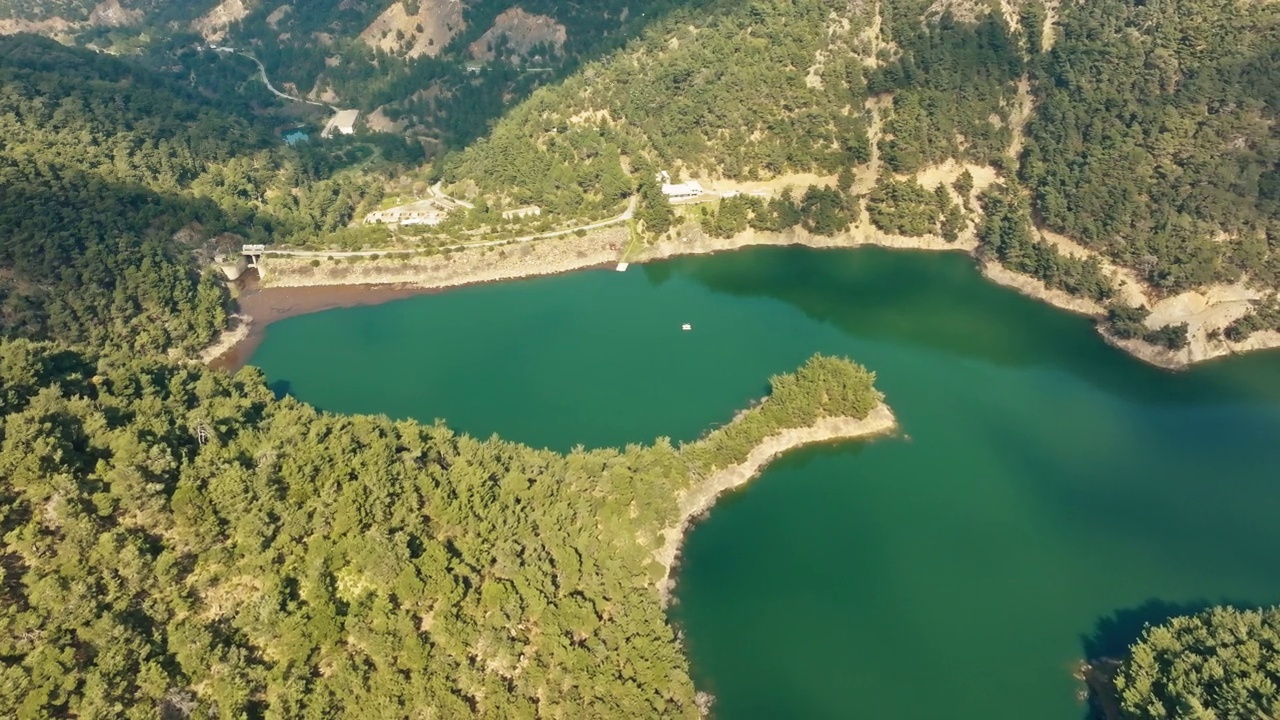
(524, 212)
(422, 212)
(344, 121)
(682, 191)
(423, 219)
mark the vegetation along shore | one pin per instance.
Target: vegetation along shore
(179, 541)
(1206, 311)
(701, 496)
(233, 457)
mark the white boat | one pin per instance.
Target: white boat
(686, 326)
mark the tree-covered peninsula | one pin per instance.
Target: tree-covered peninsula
(178, 540)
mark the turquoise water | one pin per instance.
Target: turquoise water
(293, 137)
(1048, 493)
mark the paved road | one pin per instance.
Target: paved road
(625, 216)
(435, 191)
(262, 70)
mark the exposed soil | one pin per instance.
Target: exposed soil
(109, 13)
(213, 25)
(52, 27)
(523, 31)
(259, 307)
(1099, 678)
(426, 33)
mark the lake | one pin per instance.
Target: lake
(1048, 493)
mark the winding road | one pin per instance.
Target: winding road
(262, 70)
(435, 192)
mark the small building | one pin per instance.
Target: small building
(422, 212)
(428, 218)
(682, 191)
(524, 212)
(344, 121)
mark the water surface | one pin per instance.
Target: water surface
(1049, 494)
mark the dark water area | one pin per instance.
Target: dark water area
(1047, 497)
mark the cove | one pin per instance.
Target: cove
(1047, 496)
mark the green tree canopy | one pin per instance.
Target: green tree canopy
(1222, 664)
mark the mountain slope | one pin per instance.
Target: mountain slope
(1145, 131)
(438, 70)
(113, 176)
(763, 89)
(1155, 138)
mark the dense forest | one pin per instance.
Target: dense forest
(1149, 144)
(114, 179)
(721, 89)
(1222, 663)
(178, 540)
(758, 89)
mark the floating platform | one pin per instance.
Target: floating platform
(622, 267)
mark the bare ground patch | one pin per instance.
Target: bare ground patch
(523, 31)
(425, 33)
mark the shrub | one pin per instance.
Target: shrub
(1126, 322)
(1173, 337)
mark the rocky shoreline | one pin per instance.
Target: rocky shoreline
(696, 501)
(343, 282)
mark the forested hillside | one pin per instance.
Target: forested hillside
(74, 11)
(445, 90)
(1155, 138)
(113, 180)
(759, 89)
(176, 541)
(1145, 131)
(438, 70)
